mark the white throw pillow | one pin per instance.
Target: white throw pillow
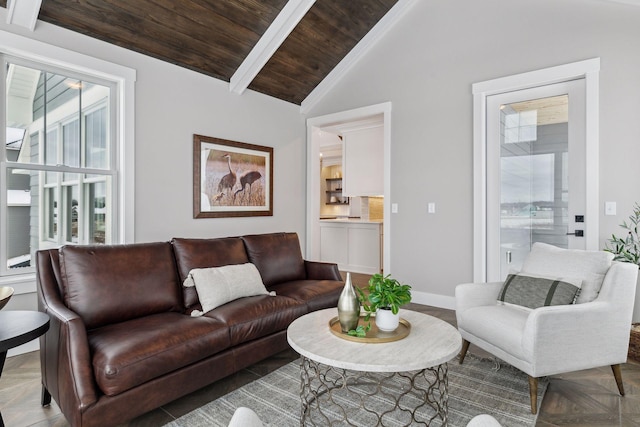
(219, 285)
(590, 266)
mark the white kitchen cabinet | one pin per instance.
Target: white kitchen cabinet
(363, 162)
(333, 243)
(354, 245)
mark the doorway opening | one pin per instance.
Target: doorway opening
(327, 128)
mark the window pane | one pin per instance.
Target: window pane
(69, 214)
(97, 202)
(58, 122)
(22, 217)
(70, 211)
(51, 213)
(37, 100)
(50, 153)
(51, 147)
(70, 146)
(21, 86)
(96, 139)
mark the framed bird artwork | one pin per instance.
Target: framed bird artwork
(231, 179)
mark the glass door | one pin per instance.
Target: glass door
(535, 173)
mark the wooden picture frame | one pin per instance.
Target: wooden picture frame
(231, 179)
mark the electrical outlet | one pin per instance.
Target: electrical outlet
(431, 207)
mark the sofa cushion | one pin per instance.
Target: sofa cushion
(107, 284)
(219, 285)
(131, 353)
(316, 294)
(255, 317)
(533, 292)
(590, 266)
(277, 256)
(204, 253)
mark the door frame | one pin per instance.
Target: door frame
(313, 174)
(589, 70)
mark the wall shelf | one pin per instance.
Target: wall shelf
(334, 189)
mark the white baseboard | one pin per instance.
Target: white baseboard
(434, 300)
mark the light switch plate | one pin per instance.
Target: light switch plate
(394, 208)
(431, 207)
(610, 208)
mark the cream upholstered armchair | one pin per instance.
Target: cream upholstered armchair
(502, 318)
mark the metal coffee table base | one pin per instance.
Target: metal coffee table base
(335, 396)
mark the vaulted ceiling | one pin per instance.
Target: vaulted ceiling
(280, 48)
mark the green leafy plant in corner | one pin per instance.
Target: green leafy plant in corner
(384, 292)
(627, 248)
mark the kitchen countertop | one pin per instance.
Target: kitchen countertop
(352, 220)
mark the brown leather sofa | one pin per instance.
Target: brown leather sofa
(122, 341)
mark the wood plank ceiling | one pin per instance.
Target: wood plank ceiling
(214, 37)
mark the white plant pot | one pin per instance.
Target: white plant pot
(636, 308)
(386, 321)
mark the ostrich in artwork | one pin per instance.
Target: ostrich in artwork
(248, 178)
(229, 180)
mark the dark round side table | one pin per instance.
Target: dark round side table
(17, 328)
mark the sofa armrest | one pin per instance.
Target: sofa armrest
(75, 372)
(322, 270)
(65, 357)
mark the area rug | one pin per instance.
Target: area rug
(479, 386)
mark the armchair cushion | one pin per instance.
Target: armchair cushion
(500, 325)
(591, 266)
(533, 292)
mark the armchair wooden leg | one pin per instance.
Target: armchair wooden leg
(45, 399)
(533, 393)
(463, 351)
(618, 376)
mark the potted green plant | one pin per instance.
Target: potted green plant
(385, 297)
(627, 249)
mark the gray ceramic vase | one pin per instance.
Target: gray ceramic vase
(348, 307)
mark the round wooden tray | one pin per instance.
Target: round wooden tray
(374, 335)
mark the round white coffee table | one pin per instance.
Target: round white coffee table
(406, 377)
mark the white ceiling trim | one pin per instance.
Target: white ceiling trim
(270, 41)
(23, 12)
(376, 33)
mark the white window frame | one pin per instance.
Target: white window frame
(123, 78)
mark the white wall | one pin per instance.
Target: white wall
(425, 65)
(172, 104)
